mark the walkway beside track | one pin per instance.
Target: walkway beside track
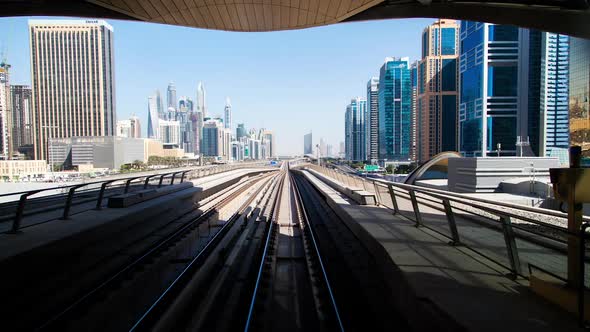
(444, 287)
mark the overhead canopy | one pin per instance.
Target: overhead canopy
(565, 16)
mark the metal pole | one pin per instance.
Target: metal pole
(511, 245)
(393, 199)
(416, 208)
(451, 220)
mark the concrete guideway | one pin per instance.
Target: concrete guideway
(452, 286)
(56, 230)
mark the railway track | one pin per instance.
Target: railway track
(267, 254)
(87, 299)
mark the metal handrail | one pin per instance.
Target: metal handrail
(24, 195)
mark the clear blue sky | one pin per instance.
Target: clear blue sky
(288, 81)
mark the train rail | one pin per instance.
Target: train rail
(199, 224)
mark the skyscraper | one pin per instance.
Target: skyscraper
(201, 99)
(500, 89)
(72, 72)
(22, 121)
(227, 114)
(372, 119)
(153, 128)
(170, 133)
(240, 131)
(307, 144)
(579, 94)
(554, 103)
(354, 127)
(414, 143)
(171, 96)
(135, 127)
(5, 113)
(437, 79)
(395, 109)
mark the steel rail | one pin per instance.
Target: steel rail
(305, 219)
(204, 216)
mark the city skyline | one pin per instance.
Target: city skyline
(248, 107)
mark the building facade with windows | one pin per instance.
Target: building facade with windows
(438, 85)
(354, 126)
(307, 144)
(395, 109)
(72, 73)
(22, 117)
(579, 94)
(499, 69)
(5, 113)
(554, 101)
(372, 120)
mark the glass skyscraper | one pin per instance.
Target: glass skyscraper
(372, 119)
(554, 101)
(395, 108)
(579, 94)
(500, 85)
(438, 88)
(354, 127)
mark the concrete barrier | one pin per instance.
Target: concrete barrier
(359, 195)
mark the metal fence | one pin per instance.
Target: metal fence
(57, 202)
(520, 238)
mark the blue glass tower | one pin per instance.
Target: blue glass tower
(395, 109)
(355, 129)
(554, 101)
(490, 100)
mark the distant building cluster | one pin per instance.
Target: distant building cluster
(67, 117)
(481, 89)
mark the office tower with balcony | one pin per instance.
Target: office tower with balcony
(500, 73)
(395, 109)
(437, 88)
(170, 133)
(22, 117)
(227, 114)
(372, 120)
(72, 73)
(5, 113)
(354, 129)
(579, 94)
(554, 89)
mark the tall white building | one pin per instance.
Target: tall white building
(227, 114)
(170, 132)
(73, 84)
(154, 115)
(171, 95)
(123, 128)
(135, 127)
(5, 113)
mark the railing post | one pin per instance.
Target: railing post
(147, 181)
(173, 176)
(127, 183)
(101, 194)
(161, 179)
(393, 199)
(377, 195)
(511, 245)
(415, 207)
(581, 279)
(19, 214)
(452, 223)
(69, 200)
(182, 177)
